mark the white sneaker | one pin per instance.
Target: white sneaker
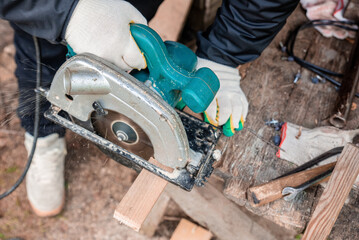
(45, 178)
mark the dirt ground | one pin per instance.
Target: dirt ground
(94, 183)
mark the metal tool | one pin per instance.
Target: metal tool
(290, 193)
(348, 89)
(330, 153)
(131, 117)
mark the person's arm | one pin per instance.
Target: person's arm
(48, 19)
(42, 18)
(243, 29)
(100, 27)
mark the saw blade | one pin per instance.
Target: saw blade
(123, 132)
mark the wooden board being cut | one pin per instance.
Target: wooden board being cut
(140, 199)
(147, 188)
(154, 218)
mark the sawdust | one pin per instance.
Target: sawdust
(353, 107)
(94, 184)
(299, 133)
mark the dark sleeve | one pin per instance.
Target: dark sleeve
(146, 7)
(42, 18)
(48, 19)
(243, 29)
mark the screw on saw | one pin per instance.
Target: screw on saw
(124, 132)
(291, 192)
(121, 136)
(99, 109)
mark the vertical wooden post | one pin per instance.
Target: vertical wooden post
(334, 195)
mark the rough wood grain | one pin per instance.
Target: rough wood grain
(140, 199)
(250, 159)
(208, 207)
(269, 192)
(334, 195)
(351, 12)
(155, 216)
(190, 231)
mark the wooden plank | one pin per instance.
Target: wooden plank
(269, 192)
(170, 18)
(140, 198)
(190, 231)
(334, 195)
(155, 217)
(210, 208)
(250, 157)
(147, 188)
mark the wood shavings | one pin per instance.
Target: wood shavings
(354, 106)
(299, 133)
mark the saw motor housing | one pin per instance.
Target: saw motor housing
(86, 86)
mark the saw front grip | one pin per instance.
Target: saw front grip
(171, 71)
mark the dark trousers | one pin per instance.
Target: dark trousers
(52, 56)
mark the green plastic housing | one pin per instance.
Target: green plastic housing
(172, 71)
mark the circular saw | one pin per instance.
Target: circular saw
(132, 117)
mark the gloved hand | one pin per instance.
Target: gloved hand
(299, 144)
(230, 106)
(101, 27)
(328, 10)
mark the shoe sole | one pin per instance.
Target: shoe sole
(51, 213)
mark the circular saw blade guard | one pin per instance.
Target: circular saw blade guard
(86, 79)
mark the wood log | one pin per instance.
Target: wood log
(271, 191)
(334, 195)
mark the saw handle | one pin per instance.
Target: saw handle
(172, 71)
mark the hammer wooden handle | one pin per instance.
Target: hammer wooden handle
(268, 192)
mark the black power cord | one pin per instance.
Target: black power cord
(36, 121)
(324, 73)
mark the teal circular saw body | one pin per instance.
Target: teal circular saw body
(171, 71)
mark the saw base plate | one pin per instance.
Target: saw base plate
(202, 138)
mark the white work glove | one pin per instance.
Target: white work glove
(230, 105)
(102, 27)
(299, 145)
(328, 10)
